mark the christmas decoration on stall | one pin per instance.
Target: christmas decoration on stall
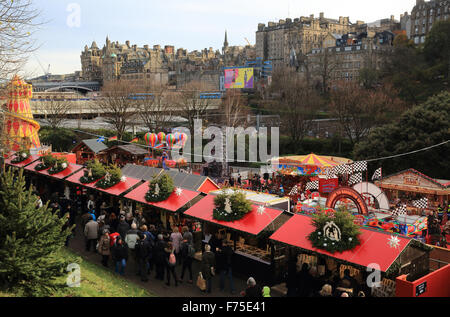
(335, 231)
(231, 207)
(160, 188)
(21, 156)
(94, 171)
(394, 242)
(112, 177)
(47, 161)
(21, 130)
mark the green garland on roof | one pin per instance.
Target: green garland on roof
(94, 171)
(160, 189)
(335, 232)
(60, 165)
(21, 156)
(47, 161)
(112, 177)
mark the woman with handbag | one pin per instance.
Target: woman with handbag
(171, 262)
(208, 264)
(104, 247)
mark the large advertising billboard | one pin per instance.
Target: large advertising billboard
(236, 78)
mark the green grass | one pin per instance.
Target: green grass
(96, 281)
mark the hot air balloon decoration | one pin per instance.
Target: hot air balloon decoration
(161, 138)
(152, 140)
(182, 140)
(170, 140)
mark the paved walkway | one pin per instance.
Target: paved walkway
(157, 287)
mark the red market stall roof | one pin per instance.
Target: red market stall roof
(173, 203)
(29, 160)
(251, 223)
(71, 168)
(374, 246)
(121, 187)
(75, 178)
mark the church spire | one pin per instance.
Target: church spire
(225, 43)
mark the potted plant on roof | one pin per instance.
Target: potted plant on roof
(47, 161)
(231, 206)
(112, 177)
(160, 188)
(94, 171)
(21, 156)
(335, 232)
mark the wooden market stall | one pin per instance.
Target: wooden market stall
(408, 257)
(124, 154)
(87, 150)
(409, 185)
(254, 254)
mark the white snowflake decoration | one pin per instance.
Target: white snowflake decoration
(261, 210)
(394, 242)
(123, 179)
(178, 191)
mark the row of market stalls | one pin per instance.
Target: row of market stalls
(265, 237)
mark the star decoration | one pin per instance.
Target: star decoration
(261, 210)
(178, 191)
(123, 179)
(394, 242)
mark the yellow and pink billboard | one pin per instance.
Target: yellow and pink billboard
(238, 78)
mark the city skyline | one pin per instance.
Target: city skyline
(153, 22)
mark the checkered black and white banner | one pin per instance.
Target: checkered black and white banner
(294, 191)
(340, 169)
(360, 166)
(377, 174)
(421, 203)
(355, 179)
(400, 211)
(312, 185)
(331, 173)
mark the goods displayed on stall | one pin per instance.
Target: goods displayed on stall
(335, 231)
(21, 156)
(160, 188)
(231, 206)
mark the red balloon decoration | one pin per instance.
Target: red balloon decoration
(170, 140)
(183, 139)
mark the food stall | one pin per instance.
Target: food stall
(255, 255)
(393, 255)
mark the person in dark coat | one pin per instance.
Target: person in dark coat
(208, 263)
(186, 259)
(170, 266)
(159, 256)
(143, 251)
(224, 265)
(120, 255)
(303, 281)
(252, 289)
(123, 227)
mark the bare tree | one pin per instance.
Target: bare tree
(359, 110)
(117, 105)
(157, 110)
(18, 22)
(233, 110)
(190, 105)
(322, 65)
(296, 102)
(55, 111)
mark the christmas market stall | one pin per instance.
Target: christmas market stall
(87, 150)
(123, 154)
(333, 243)
(416, 190)
(230, 217)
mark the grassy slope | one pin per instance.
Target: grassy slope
(96, 281)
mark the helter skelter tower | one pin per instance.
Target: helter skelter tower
(20, 129)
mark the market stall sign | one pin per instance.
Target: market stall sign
(411, 180)
(328, 185)
(421, 288)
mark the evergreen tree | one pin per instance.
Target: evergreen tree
(30, 240)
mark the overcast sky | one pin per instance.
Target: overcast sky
(191, 24)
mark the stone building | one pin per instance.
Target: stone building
(424, 15)
(279, 41)
(351, 53)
